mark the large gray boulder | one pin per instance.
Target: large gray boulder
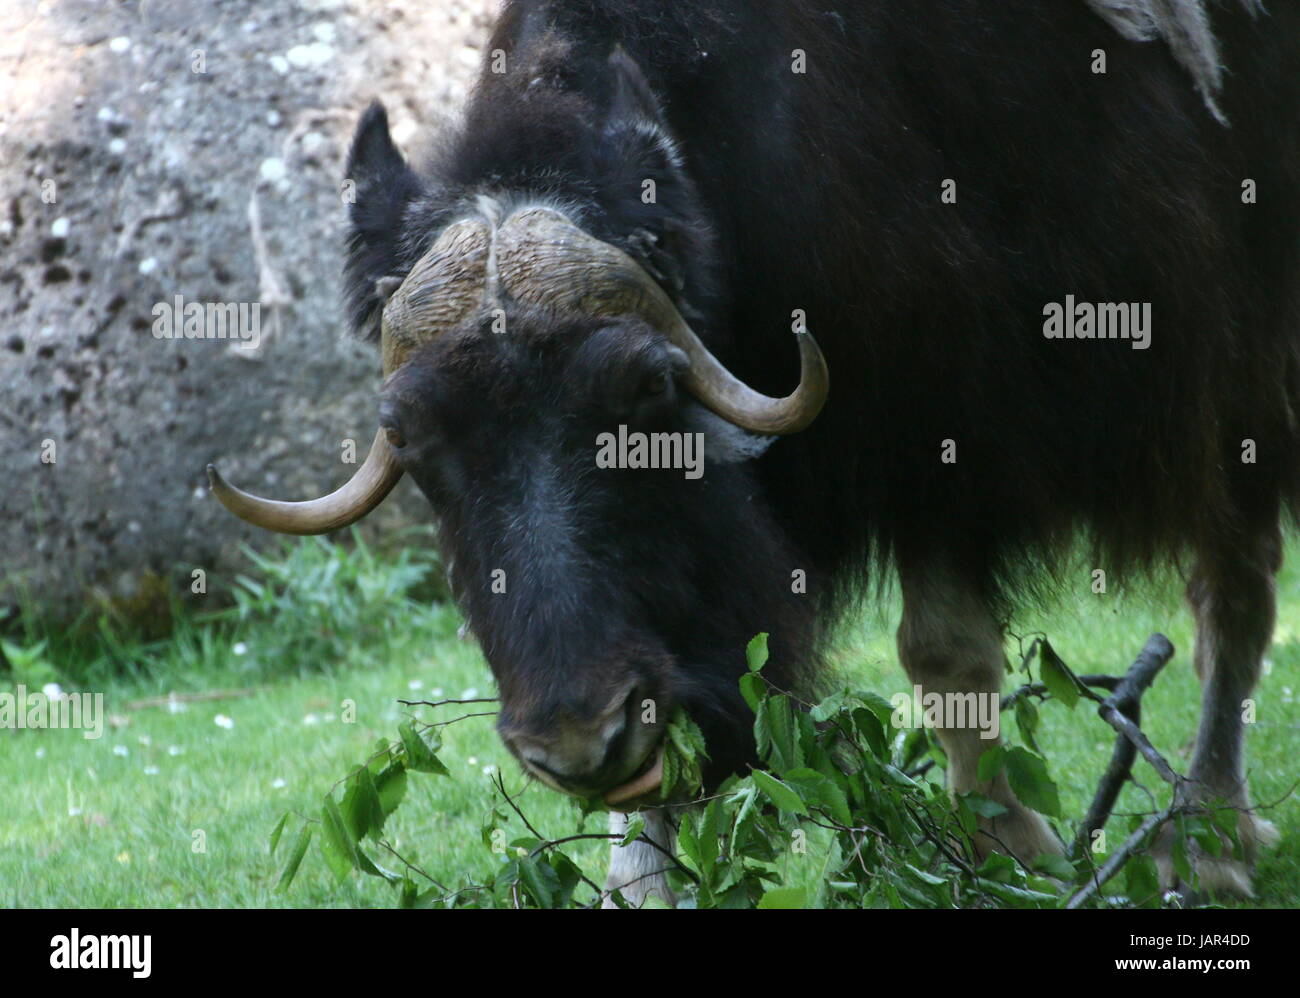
(183, 147)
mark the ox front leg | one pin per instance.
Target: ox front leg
(1232, 595)
(638, 870)
(950, 643)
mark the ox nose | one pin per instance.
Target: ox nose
(584, 755)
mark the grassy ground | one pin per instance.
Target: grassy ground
(174, 807)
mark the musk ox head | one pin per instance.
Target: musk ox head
(525, 361)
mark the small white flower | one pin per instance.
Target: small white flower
(121, 750)
(40, 753)
(469, 694)
(173, 750)
(222, 721)
(148, 265)
(279, 63)
(52, 691)
(472, 761)
(177, 706)
(310, 56)
(328, 718)
(60, 227)
(145, 740)
(73, 812)
(272, 169)
(311, 719)
(117, 146)
(240, 648)
(414, 684)
(120, 44)
(489, 769)
(437, 691)
(278, 783)
(151, 770)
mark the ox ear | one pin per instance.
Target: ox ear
(635, 119)
(645, 187)
(381, 186)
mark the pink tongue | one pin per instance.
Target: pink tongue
(643, 784)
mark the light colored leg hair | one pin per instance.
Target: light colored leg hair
(638, 870)
(949, 642)
(1233, 596)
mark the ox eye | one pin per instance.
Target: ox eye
(655, 385)
(394, 437)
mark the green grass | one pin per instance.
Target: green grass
(113, 822)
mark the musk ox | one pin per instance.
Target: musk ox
(1049, 256)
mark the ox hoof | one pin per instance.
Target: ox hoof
(1222, 876)
(1021, 833)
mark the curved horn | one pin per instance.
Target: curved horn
(445, 285)
(544, 259)
(366, 490)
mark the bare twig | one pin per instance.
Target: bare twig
(1121, 856)
(1125, 700)
(443, 703)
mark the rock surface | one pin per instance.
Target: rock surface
(142, 147)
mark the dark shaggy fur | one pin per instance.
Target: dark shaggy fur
(821, 192)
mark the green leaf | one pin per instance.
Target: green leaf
(819, 788)
(1027, 721)
(830, 706)
(569, 876)
(753, 689)
(983, 806)
(929, 879)
(361, 808)
(688, 844)
(708, 838)
(275, 832)
(778, 793)
(991, 762)
(1142, 882)
(391, 785)
(635, 826)
(784, 897)
(420, 755)
(756, 652)
(1057, 677)
(1202, 829)
(540, 880)
(878, 705)
(999, 868)
(669, 781)
(337, 844)
(1054, 865)
(295, 859)
(1027, 775)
